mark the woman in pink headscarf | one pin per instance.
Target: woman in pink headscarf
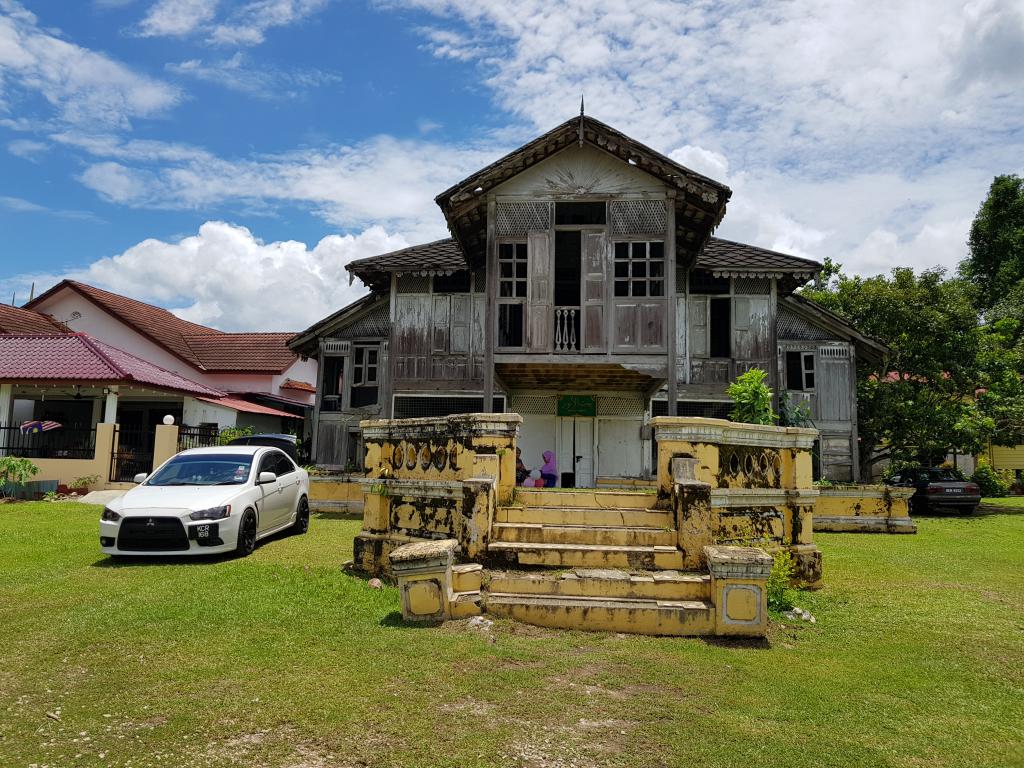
(548, 472)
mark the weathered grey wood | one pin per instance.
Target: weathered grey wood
(751, 328)
(624, 318)
(439, 323)
(539, 309)
(671, 324)
(651, 332)
(697, 323)
(596, 260)
(490, 330)
(458, 339)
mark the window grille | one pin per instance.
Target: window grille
(516, 219)
(835, 353)
(614, 405)
(638, 217)
(413, 284)
(422, 406)
(640, 268)
(705, 409)
(752, 286)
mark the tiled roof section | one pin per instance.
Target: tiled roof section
(243, 352)
(300, 386)
(728, 256)
(164, 327)
(438, 257)
(77, 358)
(238, 404)
(17, 320)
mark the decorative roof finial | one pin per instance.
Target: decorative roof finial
(581, 120)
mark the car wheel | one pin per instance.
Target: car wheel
(301, 524)
(246, 534)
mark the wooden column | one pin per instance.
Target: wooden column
(490, 311)
(318, 400)
(670, 290)
(775, 374)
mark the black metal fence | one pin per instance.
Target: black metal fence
(71, 442)
(197, 437)
(133, 454)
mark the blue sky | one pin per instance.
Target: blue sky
(227, 158)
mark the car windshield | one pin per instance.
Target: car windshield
(941, 476)
(203, 469)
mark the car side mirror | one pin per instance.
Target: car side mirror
(140, 478)
(266, 477)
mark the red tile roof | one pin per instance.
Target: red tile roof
(16, 320)
(256, 352)
(76, 357)
(301, 386)
(247, 407)
(206, 349)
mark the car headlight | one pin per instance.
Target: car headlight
(110, 515)
(213, 513)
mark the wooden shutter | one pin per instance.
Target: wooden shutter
(440, 324)
(539, 315)
(698, 325)
(459, 340)
(750, 328)
(595, 265)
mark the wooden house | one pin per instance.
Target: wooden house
(582, 289)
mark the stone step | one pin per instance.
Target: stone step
(612, 535)
(628, 516)
(585, 498)
(467, 577)
(599, 614)
(589, 555)
(608, 583)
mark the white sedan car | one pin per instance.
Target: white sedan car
(206, 501)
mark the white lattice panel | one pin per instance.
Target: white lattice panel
(541, 405)
(611, 405)
(638, 217)
(517, 218)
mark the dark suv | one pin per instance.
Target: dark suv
(938, 489)
(287, 443)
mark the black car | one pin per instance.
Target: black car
(938, 489)
(287, 443)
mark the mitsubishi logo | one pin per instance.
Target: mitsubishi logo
(151, 522)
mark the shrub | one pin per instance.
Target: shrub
(991, 482)
(15, 471)
(780, 593)
(752, 398)
(230, 433)
(83, 483)
(794, 413)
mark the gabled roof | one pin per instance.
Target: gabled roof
(206, 349)
(867, 346)
(727, 258)
(77, 358)
(370, 312)
(17, 320)
(700, 201)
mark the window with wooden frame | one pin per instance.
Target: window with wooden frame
(800, 371)
(640, 268)
(364, 371)
(512, 288)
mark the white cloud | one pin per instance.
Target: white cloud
(234, 73)
(250, 23)
(227, 278)
(26, 149)
(20, 205)
(383, 180)
(176, 18)
(79, 85)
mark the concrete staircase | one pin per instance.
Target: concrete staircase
(622, 548)
(589, 529)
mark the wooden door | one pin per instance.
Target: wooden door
(576, 449)
(595, 264)
(540, 301)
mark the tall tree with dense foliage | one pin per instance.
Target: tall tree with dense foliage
(996, 261)
(922, 401)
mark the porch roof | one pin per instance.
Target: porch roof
(237, 404)
(79, 358)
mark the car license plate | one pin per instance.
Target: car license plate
(954, 490)
(202, 531)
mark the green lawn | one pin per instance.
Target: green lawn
(1012, 502)
(281, 659)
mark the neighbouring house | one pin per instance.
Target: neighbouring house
(582, 289)
(266, 385)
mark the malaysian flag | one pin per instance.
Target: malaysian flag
(31, 427)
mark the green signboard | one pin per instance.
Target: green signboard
(577, 405)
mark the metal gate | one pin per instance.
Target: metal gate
(133, 452)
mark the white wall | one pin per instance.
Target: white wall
(196, 412)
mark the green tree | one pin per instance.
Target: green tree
(922, 401)
(996, 261)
